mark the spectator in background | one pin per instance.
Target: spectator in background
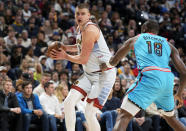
(105, 18)
(24, 65)
(26, 41)
(18, 25)
(127, 74)
(40, 88)
(64, 21)
(26, 12)
(112, 103)
(61, 93)
(41, 44)
(108, 9)
(38, 72)
(8, 16)
(3, 58)
(42, 61)
(63, 76)
(10, 118)
(10, 40)
(35, 83)
(117, 90)
(32, 27)
(3, 27)
(141, 122)
(31, 108)
(50, 105)
(55, 78)
(16, 56)
(58, 66)
(47, 28)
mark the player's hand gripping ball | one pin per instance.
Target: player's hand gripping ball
(55, 45)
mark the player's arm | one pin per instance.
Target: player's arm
(89, 36)
(180, 67)
(123, 51)
(70, 48)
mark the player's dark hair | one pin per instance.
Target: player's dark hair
(152, 26)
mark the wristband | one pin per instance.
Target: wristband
(109, 65)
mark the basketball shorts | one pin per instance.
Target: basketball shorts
(153, 86)
(96, 86)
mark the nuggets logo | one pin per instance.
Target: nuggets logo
(76, 82)
(78, 41)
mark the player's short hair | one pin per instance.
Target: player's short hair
(83, 5)
(152, 26)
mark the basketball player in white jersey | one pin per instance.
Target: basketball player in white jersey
(93, 84)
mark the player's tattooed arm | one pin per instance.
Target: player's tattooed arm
(123, 51)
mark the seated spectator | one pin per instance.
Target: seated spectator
(26, 41)
(127, 73)
(55, 78)
(10, 117)
(10, 40)
(40, 88)
(38, 72)
(31, 108)
(61, 93)
(117, 90)
(107, 118)
(108, 114)
(18, 86)
(3, 58)
(141, 122)
(50, 105)
(18, 25)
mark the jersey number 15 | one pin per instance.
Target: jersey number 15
(157, 48)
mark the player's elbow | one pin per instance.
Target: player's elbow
(84, 62)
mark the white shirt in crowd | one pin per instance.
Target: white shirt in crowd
(50, 104)
(39, 90)
(26, 43)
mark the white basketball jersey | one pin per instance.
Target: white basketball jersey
(100, 52)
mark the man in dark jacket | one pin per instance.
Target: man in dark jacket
(10, 112)
(31, 108)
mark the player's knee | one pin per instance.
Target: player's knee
(166, 113)
(68, 103)
(87, 114)
(89, 111)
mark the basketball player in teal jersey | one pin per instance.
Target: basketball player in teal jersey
(154, 84)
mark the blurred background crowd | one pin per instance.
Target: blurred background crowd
(28, 27)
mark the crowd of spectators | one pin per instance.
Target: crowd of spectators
(32, 84)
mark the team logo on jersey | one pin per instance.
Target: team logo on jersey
(78, 41)
(76, 82)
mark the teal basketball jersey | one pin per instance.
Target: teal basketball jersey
(152, 50)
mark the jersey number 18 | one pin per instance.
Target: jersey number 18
(157, 48)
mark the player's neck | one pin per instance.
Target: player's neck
(81, 27)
